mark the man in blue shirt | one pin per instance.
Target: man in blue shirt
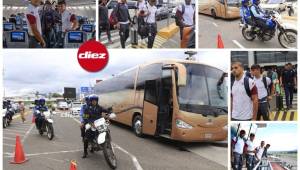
(259, 15)
(245, 12)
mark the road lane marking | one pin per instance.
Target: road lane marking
(27, 133)
(8, 138)
(133, 158)
(5, 144)
(18, 131)
(216, 25)
(237, 43)
(43, 153)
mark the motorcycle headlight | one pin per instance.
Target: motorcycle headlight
(101, 128)
(182, 124)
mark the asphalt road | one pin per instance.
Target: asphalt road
(231, 34)
(132, 152)
(174, 42)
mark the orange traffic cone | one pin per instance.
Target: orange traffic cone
(33, 119)
(19, 154)
(73, 165)
(220, 42)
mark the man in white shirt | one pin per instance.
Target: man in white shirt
(33, 21)
(265, 90)
(250, 156)
(260, 150)
(237, 148)
(68, 20)
(244, 100)
(150, 19)
(187, 13)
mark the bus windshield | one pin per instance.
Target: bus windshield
(233, 2)
(205, 90)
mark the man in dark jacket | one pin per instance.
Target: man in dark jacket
(104, 20)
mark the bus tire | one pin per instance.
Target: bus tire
(213, 14)
(137, 125)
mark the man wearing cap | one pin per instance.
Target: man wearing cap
(33, 21)
(265, 90)
(250, 156)
(238, 144)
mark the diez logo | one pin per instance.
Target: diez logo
(92, 56)
(89, 54)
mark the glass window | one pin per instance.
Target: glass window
(151, 72)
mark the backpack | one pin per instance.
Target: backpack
(113, 19)
(179, 16)
(246, 85)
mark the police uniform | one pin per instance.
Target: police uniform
(238, 153)
(33, 17)
(38, 117)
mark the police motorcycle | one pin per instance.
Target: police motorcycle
(287, 36)
(102, 140)
(47, 124)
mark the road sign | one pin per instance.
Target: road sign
(84, 89)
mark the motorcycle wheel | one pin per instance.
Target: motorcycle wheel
(247, 36)
(291, 38)
(5, 122)
(109, 153)
(50, 131)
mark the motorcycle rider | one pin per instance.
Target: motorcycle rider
(259, 16)
(92, 113)
(38, 116)
(245, 12)
(82, 111)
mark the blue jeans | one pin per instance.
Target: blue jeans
(250, 161)
(238, 161)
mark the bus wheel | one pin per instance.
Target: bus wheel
(137, 125)
(213, 14)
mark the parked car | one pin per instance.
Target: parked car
(162, 12)
(277, 5)
(75, 108)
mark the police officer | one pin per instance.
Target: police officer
(150, 20)
(124, 21)
(258, 15)
(92, 113)
(250, 155)
(34, 25)
(68, 20)
(245, 12)
(82, 111)
(237, 149)
(288, 82)
(38, 117)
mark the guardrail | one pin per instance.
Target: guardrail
(263, 164)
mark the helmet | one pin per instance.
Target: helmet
(244, 2)
(256, 2)
(93, 97)
(36, 102)
(42, 101)
(270, 23)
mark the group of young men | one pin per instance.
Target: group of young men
(252, 91)
(38, 35)
(146, 12)
(242, 149)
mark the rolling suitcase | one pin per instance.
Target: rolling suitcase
(134, 36)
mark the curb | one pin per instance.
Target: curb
(168, 31)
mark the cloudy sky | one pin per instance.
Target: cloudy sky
(27, 71)
(281, 137)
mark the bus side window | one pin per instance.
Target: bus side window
(151, 91)
(221, 1)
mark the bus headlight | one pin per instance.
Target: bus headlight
(182, 124)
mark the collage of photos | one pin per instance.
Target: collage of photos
(149, 85)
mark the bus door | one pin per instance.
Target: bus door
(221, 8)
(150, 107)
